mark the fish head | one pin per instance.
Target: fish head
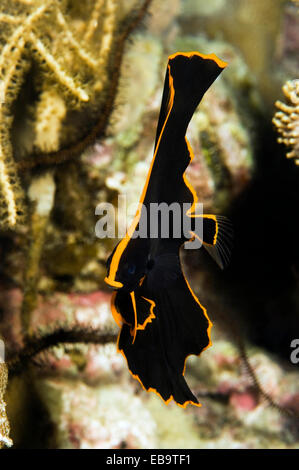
(127, 265)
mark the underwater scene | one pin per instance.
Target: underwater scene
(149, 198)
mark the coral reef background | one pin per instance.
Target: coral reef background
(81, 85)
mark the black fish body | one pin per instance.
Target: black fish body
(162, 322)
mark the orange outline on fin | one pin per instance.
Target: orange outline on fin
(151, 315)
(122, 245)
(132, 295)
(113, 283)
(136, 376)
(110, 279)
(151, 389)
(207, 216)
(213, 57)
(115, 313)
(210, 324)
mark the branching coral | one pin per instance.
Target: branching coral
(286, 119)
(74, 49)
(4, 425)
(50, 112)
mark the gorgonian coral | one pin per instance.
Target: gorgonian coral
(286, 119)
(72, 53)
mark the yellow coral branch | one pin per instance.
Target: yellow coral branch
(286, 119)
(50, 112)
(8, 178)
(4, 424)
(108, 29)
(7, 82)
(93, 22)
(7, 191)
(56, 68)
(36, 29)
(74, 149)
(21, 31)
(90, 61)
(107, 37)
(4, 18)
(26, 2)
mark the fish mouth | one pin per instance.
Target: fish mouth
(112, 283)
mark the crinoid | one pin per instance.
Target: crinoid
(71, 52)
(286, 119)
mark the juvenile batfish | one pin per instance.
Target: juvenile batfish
(160, 318)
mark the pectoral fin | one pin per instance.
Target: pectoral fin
(216, 235)
(132, 309)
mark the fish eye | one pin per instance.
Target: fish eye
(131, 269)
